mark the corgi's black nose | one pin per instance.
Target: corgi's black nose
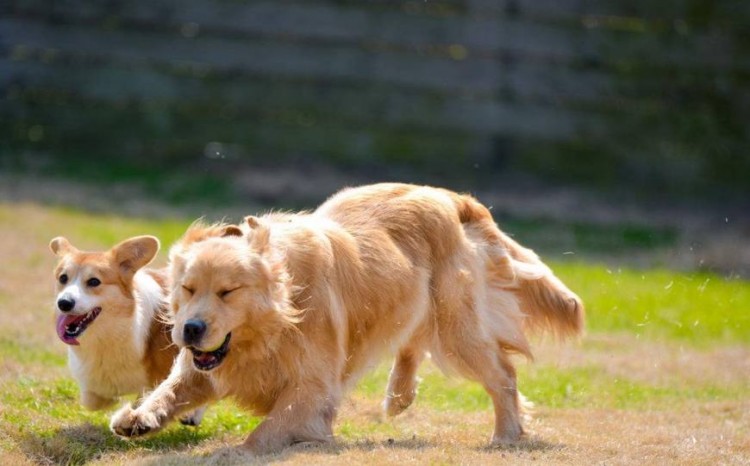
(66, 304)
(193, 331)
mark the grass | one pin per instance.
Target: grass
(697, 308)
(667, 351)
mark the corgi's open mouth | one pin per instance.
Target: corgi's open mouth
(207, 360)
(69, 326)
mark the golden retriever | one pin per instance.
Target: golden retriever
(286, 313)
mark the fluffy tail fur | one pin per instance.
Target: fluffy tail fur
(547, 303)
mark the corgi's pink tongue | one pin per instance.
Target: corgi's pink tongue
(62, 323)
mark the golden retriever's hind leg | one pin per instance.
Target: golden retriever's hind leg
(481, 361)
(403, 381)
(508, 406)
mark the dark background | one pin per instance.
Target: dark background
(602, 125)
(649, 93)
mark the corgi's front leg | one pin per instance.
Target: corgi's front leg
(94, 402)
(184, 390)
(193, 418)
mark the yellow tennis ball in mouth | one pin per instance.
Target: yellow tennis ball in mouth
(216, 348)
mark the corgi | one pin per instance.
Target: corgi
(110, 313)
(287, 311)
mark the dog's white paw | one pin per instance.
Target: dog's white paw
(193, 418)
(129, 422)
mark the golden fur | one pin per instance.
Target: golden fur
(312, 301)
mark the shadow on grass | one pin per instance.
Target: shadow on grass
(233, 455)
(526, 444)
(87, 442)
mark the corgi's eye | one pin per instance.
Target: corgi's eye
(93, 282)
(189, 291)
(63, 279)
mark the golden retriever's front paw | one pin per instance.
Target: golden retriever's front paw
(129, 422)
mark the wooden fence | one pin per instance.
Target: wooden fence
(602, 91)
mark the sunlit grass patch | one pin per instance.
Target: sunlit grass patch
(593, 387)
(699, 308)
(85, 230)
(590, 386)
(22, 353)
(44, 419)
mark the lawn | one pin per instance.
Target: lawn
(662, 376)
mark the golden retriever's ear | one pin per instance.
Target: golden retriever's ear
(252, 221)
(260, 236)
(134, 253)
(61, 246)
(231, 230)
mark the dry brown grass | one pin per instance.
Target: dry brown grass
(657, 363)
(701, 434)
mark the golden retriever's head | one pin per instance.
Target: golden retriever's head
(227, 290)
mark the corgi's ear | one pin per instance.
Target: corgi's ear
(231, 230)
(134, 253)
(61, 246)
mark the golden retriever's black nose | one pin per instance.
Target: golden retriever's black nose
(193, 331)
(65, 304)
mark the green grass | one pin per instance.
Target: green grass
(50, 424)
(92, 231)
(696, 308)
(593, 387)
(23, 353)
(588, 386)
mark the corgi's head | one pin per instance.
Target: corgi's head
(93, 285)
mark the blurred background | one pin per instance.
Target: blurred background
(600, 128)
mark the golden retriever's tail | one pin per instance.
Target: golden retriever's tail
(545, 300)
(548, 304)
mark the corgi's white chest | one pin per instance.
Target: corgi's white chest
(110, 373)
(109, 361)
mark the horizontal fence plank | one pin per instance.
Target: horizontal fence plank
(589, 38)
(469, 76)
(669, 11)
(525, 80)
(297, 99)
(268, 57)
(319, 22)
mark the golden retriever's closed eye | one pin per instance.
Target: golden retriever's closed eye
(286, 312)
